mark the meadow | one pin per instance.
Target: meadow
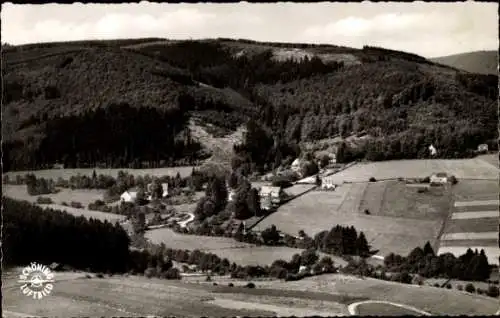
(67, 173)
(225, 247)
(83, 196)
(324, 295)
(436, 301)
(461, 168)
(381, 309)
(317, 211)
(474, 222)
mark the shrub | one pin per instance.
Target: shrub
(493, 291)
(372, 179)
(453, 180)
(460, 287)
(99, 275)
(479, 291)
(436, 285)
(230, 285)
(367, 212)
(76, 205)
(208, 278)
(250, 285)
(422, 190)
(149, 272)
(173, 273)
(88, 276)
(448, 286)
(426, 180)
(215, 284)
(44, 200)
(64, 203)
(470, 288)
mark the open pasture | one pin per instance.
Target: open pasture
(84, 196)
(121, 296)
(470, 190)
(384, 309)
(225, 247)
(492, 159)
(317, 211)
(460, 168)
(436, 301)
(395, 199)
(476, 225)
(18, 192)
(67, 173)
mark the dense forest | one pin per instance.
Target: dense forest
(87, 244)
(128, 103)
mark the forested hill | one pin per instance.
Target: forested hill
(131, 102)
(482, 62)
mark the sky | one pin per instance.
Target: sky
(427, 29)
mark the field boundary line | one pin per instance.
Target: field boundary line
(353, 307)
(451, 210)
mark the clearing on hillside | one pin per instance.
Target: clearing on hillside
(238, 252)
(317, 211)
(54, 174)
(396, 199)
(436, 301)
(384, 309)
(383, 170)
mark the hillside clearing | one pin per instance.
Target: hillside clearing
(436, 301)
(317, 211)
(460, 168)
(238, 252)
(475, 215)
(371, 308)
(67, 173)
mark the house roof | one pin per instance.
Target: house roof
(296, 162)
(270, 190)
(441, 175)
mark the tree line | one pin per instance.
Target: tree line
(472, 265)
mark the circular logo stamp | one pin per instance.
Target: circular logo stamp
(37, 281)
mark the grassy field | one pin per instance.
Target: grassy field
(467, 190)
(85, 197)
(324, 295)
(239, 252)
(460, 168)
(321, 210)
(67, 173)
(380, 309)
(491, 159)
(472, 225)
(436, 301)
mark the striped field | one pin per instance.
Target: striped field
(474, 224)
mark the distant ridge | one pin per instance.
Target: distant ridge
(481, 62)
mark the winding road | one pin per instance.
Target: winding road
(187, 221)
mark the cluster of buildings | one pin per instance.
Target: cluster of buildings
(131, 194)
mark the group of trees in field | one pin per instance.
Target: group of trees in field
(39, 186)
(472, 265)
(339, 240)
(62, 238)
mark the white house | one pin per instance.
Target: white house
(439, 178)
(274, 194)
(328, 183)
(432, 150)
(482, 148)
(296, 165)
(231, 193)
(128, 196)
(165, 189)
